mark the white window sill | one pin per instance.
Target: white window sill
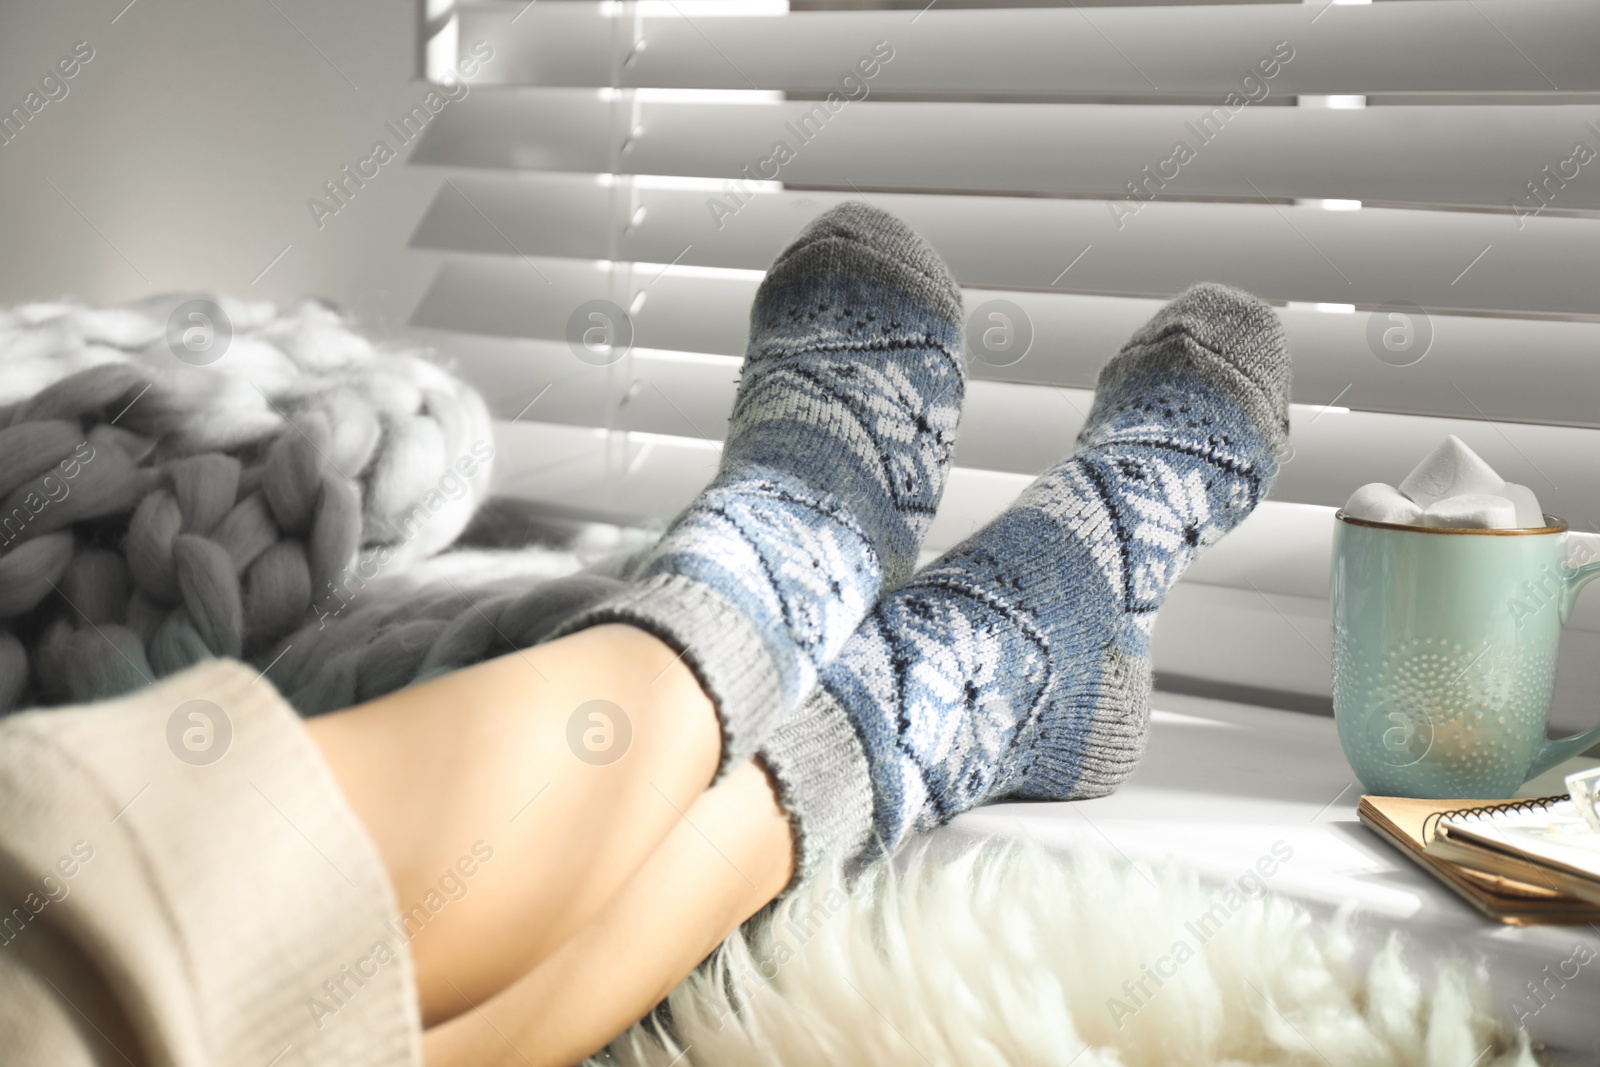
(1221, 783)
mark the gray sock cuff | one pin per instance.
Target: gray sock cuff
(718, 644)
(859, 240)
(1229, 337)
(816, 761)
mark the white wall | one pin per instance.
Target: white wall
(191, 142)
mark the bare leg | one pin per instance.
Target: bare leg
(728, 857)
(501, 838)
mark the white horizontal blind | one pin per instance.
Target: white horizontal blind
(1414, 184)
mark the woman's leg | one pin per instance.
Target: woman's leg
(835, 458)
(730, 854)
(505, 825)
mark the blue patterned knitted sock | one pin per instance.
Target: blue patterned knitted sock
(1018, 664)
(834, 462)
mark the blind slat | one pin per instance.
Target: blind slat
(1418, 46)
(1428, 155)
(1475, 367)
(1448, 261)
(510, 297)
(1024, 429)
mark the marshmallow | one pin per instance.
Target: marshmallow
(1529, 514)
(1472, 511)
(1380, 502)
(1452, 469)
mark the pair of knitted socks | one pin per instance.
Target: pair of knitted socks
(1017, 665)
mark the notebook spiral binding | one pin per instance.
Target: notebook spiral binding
(1430, 824)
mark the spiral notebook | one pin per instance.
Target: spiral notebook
(1545, 839)
(1500, 884)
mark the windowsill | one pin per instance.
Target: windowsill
(1222, 782)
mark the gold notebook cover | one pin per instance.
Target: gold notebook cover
(1527, 900)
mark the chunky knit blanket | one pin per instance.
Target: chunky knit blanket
(247, 483)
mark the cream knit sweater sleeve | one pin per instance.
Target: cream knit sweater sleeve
(181, 882)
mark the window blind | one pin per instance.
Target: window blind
(1414, 184)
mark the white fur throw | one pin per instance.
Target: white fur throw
(1010, 955)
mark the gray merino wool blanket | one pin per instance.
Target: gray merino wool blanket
(250, 483)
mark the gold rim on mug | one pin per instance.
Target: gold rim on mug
(1556, 526)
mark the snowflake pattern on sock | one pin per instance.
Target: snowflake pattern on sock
(834, 463)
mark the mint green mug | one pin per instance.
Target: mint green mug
(1444, 655)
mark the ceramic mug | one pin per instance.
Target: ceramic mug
(1444, 655)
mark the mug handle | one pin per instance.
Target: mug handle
(1552, 752)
